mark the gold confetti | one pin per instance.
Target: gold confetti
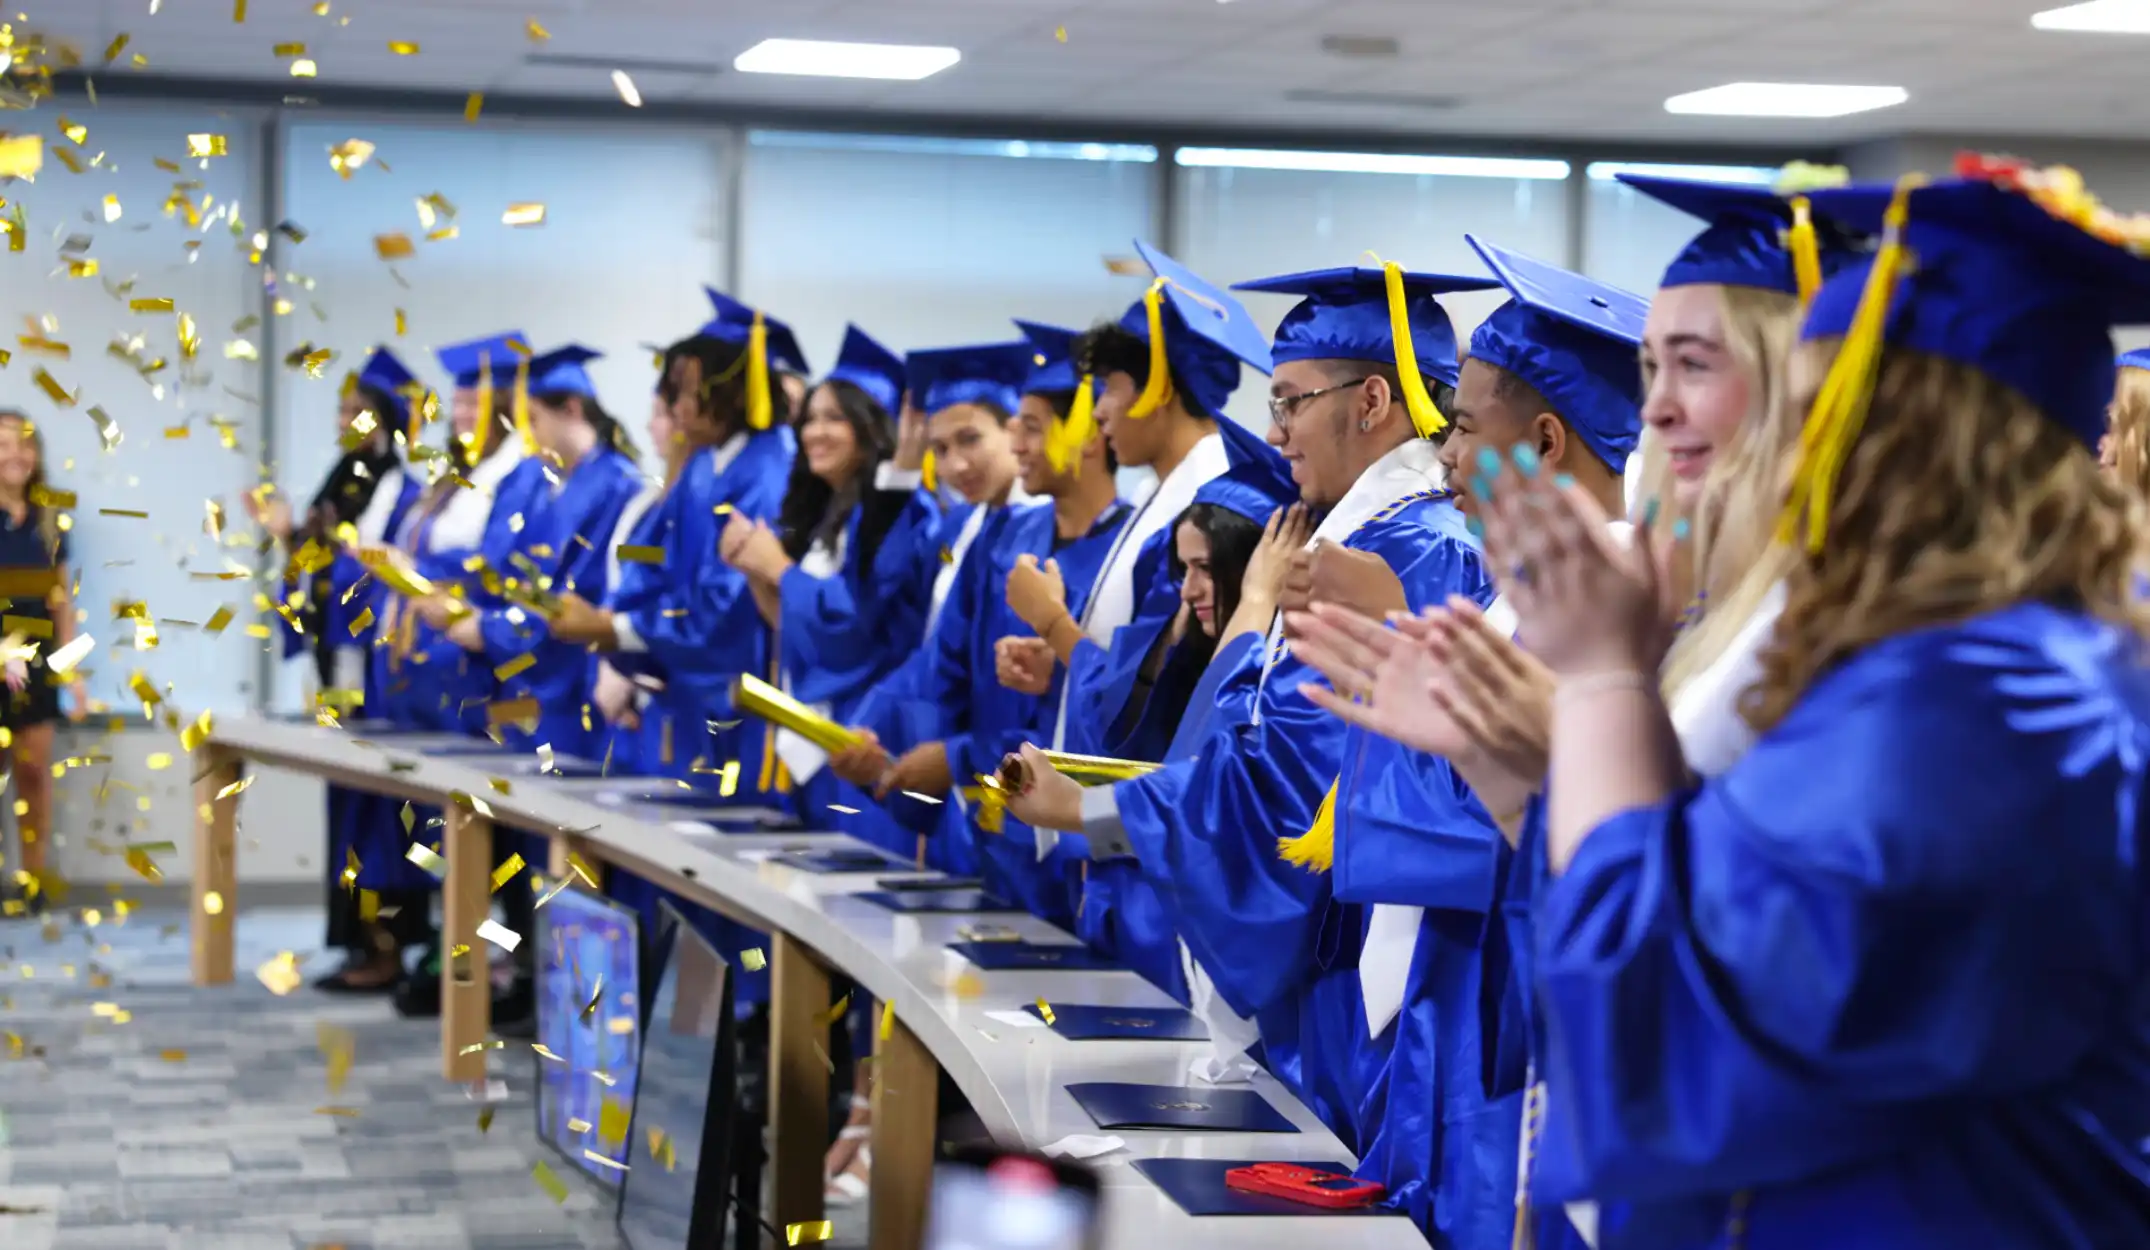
(64, 660)
(402, 47)
(728, 780)
(506, 872)
(626, 87)
(151, 305)
(809, 1232)
(117, 46)
(603, 1161)
(537, 33)
(753, 960)
(836, 1011)
(21, 156)
(212, 904)
(43, 346)
(75, 131)
(480, 1047)
(888, 1020)
(1060, 34)
(52, 388)
(304, 68)
(473, 105)
(402, 323)
(425, 858)
(485, 1120)
(321, 8)
(347, 157)
(238, 11)
(1045, 1011)
(235, 788)
(281, 974)
(635, 553)
(581, 867)
(523, 215)
(545, 1053)
(396, 246)
(197, 733)
(576, 1124)
(205, 145)
(218, 620)
(159, 761)
(549, 1182)
(125, 512)
(519, 664)
(172, 1056)
(348, 1113)
(339, 1046)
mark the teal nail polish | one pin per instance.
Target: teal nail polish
(1680, 528)
(1489, 462)
(1649, 512)
(1526, 461)
(1476, 526)
(1482, 487)
(1563, 481)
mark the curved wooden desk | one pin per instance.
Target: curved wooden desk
(1015, 1079)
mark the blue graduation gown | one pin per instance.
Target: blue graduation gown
(1904, 1008)
(695, 618)
(1101, 680)
(838, 637)
(1410, 833)
(566, 542)
(1207, 831)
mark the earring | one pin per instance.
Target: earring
(1365, 427)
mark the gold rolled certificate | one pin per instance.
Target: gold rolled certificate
(1087, 770)
(757, 697)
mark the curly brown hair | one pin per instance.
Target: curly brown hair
(1959, 498)
(2126, 449)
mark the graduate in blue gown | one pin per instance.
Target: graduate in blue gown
(1553, 370)
(480, 493)
(834, 577)
(1353, 416)
(680, 628)
(360, 504)
(590, 477)
(1905, 1008)
(1064, 464)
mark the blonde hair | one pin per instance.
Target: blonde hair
(1733, 558)
(2127, 451)
(37, 489)
(1960, 497)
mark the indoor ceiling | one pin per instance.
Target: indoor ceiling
(1542, 68)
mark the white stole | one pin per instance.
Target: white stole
(944, 579)
(822, 560)
(461, 522)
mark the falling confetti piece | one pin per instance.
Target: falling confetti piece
(281, 974)
(402, 47)
(1060, 34)
(836, 1011)
(888, 1020)
(212, 904)
(473, 105)
(1045, 1011)
(21, 156)
(151, 305)
(424, 857)
(626, 87)
(195, 734)
(550, 1182)
(218, 620)
(485, 1120)
(238, 11)
(523, 215)
(519, 664)
(809, 1232)
(396, 246)
(480, 1047)
(348, 1113)
(205, 145)
(291, 49)
(500, 935)
(64, 660)
(347, 157)
(117, 46)
(634, 553)
(304, 68)
(53, 390)
(603, 1161)
(339, 1046)
(537, 33)
(236, 787)
(753, 960)
(172, 1056)
(506, 872)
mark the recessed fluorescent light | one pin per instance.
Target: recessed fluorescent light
(2104, 17)
(1786, 99)
(1372, 163)
(1739, 175)
(819, 58)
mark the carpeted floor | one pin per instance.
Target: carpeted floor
(141, 1113)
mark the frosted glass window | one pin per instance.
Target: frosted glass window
(1245, 215)
(633, 228)
(927, 242)
(170, 462)
(1629, 238)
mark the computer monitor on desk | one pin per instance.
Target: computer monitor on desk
(677, 1189)
(589, 1021)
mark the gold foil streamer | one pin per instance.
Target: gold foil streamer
(758, 698)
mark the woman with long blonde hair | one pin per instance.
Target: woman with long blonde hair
(1881, 981)
(34, 564)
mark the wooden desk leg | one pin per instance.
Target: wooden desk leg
(556, 849)
(798, 1081)
(906, 1106)
(466, 990)
(216, 865)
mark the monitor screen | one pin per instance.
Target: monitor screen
(589, 1008)
(676, 1191)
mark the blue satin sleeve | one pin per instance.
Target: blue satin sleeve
(838, 635)
(1768, 978)
(1409, 831)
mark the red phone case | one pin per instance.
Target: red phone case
(1296, 1182)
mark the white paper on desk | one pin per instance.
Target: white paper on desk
(1020, 1020)
(1078, 1146)
(692, 828)
(906, 936)
(761, 855)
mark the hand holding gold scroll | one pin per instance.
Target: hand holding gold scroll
(757, 697)
(1085, 770)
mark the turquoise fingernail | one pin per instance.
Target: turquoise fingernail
(1489, 462)
(1649, 512)
(1482, 488)
(1476, 526)
(1680, 528)
(1526, 460)
(1563, 481)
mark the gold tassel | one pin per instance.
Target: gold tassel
(1065, 441)
(1426, 418)
(522, 407)
(1840, 406)
(1805, 246)
(480, 440)
(1157, 392)
(1314, 850)
(927, 476)
(759, 409)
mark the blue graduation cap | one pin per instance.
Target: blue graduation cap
(1755, 237)
(1979, 275)
(1573, 339)
(470, 363)
(870, 367)
(561, 372)
(1259, 480)
(386, 374)
(1206, 335)
(1351, 313)
(734, 322)
(2137, 359)
(1052, 358)
(985, 373)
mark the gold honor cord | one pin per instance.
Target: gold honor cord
(1840, 407)
(1426, 417)
(756, 697)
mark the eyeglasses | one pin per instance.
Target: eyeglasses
(1283, 407)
